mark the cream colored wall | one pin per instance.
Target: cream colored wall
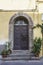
(17, 4)
(4, 24)
(37, 20)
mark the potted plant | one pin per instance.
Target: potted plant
(41, 27)
(4, 53)
(36, 46)
(7, 50)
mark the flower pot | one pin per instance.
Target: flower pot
(37, 55)
(4, 56)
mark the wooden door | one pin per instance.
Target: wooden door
(21, 37)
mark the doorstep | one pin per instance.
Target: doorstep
(9, 58)
(35, 58)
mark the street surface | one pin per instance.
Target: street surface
(22, 62)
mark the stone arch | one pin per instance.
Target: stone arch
(21, 14)
(11, 32)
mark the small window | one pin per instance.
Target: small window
(20, 22)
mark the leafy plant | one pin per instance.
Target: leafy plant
(36, 46)
(7, 50)
(4, 53)
(41, 27)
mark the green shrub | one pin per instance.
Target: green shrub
(36, 46)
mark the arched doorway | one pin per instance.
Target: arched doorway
(21, 34)
(20, 27)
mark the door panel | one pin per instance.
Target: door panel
(20, 37)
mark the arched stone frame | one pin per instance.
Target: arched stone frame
(11, 28)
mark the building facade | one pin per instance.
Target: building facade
(16, 26)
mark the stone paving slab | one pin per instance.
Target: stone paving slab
(21, 62)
